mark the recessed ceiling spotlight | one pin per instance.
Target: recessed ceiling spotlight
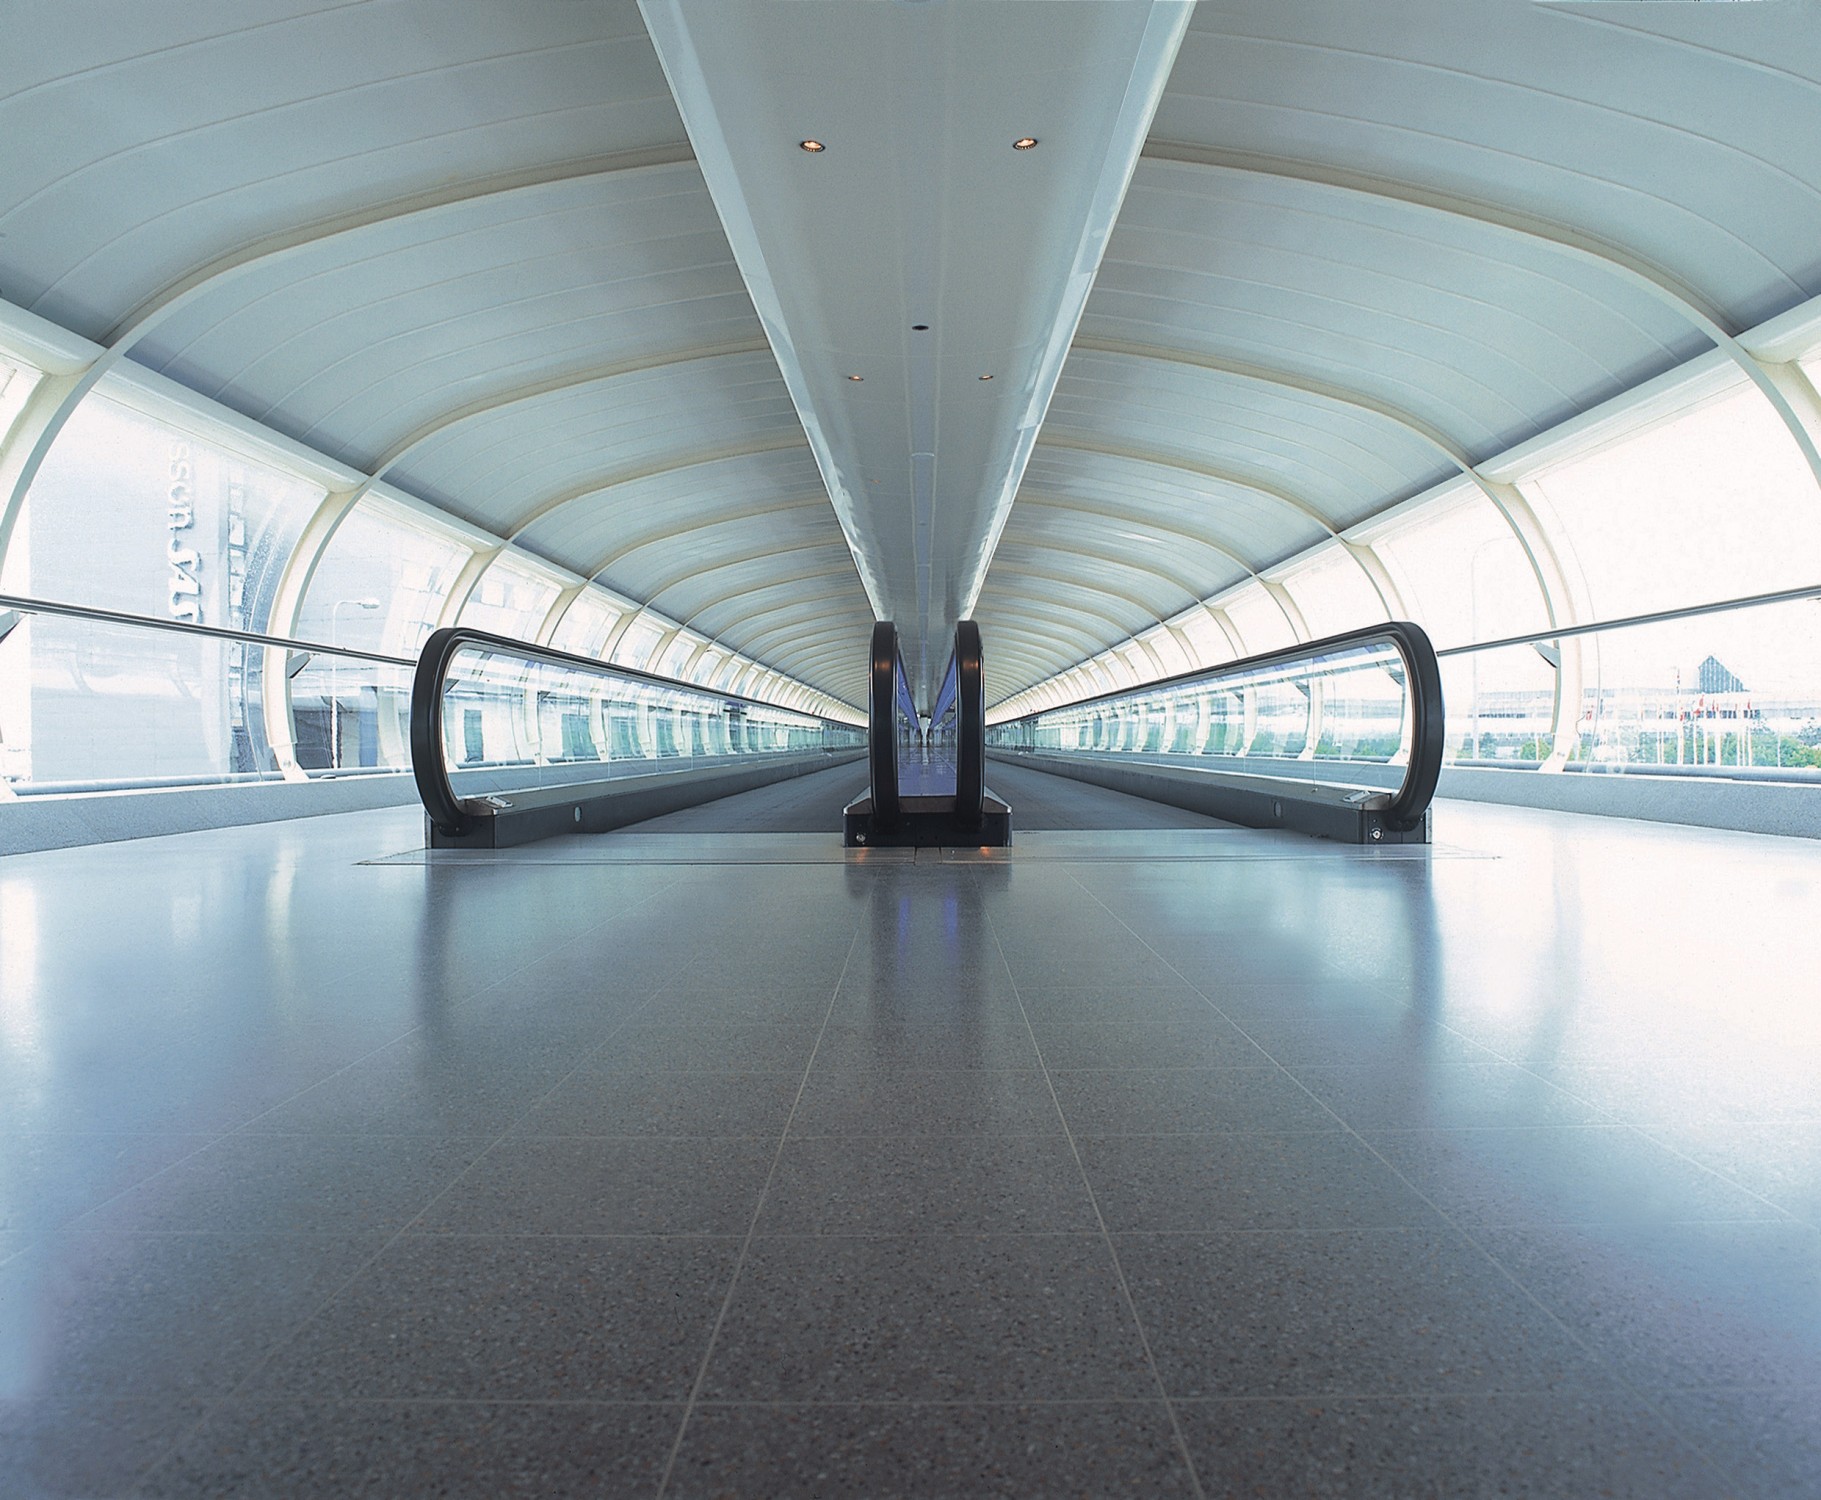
(1024, 143)
(919, 328)
(812, 147)
(856, 377)
(986, 377)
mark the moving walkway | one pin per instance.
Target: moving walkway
(512, 742)
(928, 783)
(1341, 738)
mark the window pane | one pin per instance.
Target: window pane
(133, 514)
(381, 582)
(1712, 504)
(1463, 573)
(586, 624)
(1259, 621)
(512, 599)
(1333, 593)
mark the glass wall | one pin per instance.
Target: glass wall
(1684, 513)
(168, 512)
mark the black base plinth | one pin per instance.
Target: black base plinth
(927, 823)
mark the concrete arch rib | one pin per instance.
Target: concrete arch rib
(164, 304)
(707, 570)
(675, 463)
(1050, 502)
(750, 590)
(670, 533)
(555, 386)
(1551, 577)
(1182, 464)
(1237, 481)
(1053, 646)
(1692, 305)
(1103, 559)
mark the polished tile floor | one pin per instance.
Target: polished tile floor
(1183, 1161)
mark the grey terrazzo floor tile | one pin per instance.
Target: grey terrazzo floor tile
(1565, 1174)
(620, 1185)
(95, 1448)
(1019, 1317)
(387, 1450)
(848, 1102)
(1415, 1095)
(1074, 959)
(513, 1319)
(928, 1452)
(621, 1102)
(1306, 1180)
(1203, 1041)
(276, 1184)
(1345, 1313)
(161, 1315)
(1766, 1442)
(661, 1044)
(1172, 1101)
(1677, 1306)
(995, 1042)
(1442, 1448)
(47, 1180)
(1780, 1161)
(742, 1003)
(941, 1185)
(1355, 1039)
(1166, 1000)
(412, 1089)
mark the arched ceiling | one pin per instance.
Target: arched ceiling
(1365, 244)
(473, 246)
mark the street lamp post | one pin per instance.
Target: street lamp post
(335, 610)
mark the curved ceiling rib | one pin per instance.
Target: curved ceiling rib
(670, 533)
(1074, 587)
(557, 385)
(748, 590)
(1104, 556)
(601, 484)
(1200, 539)
(698, 571)
(1627, 264)
(1184, 464)
(152, 312)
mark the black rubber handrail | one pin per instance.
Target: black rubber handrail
(427, 768)
(1423, 683)
(882, 678)
(970, 721)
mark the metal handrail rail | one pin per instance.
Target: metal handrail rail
(440, 650)
(29, 606)
(1423, 683)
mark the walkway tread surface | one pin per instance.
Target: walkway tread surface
(326, 1174)
(813, 803)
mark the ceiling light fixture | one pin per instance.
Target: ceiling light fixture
(1024, 143)
(812, 147)
(856, 377)
(986, 377)
(919, 328)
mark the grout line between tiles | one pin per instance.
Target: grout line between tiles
(1106, 1238)
(284, 1340)
(1466, 1235)
(739, 1265)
